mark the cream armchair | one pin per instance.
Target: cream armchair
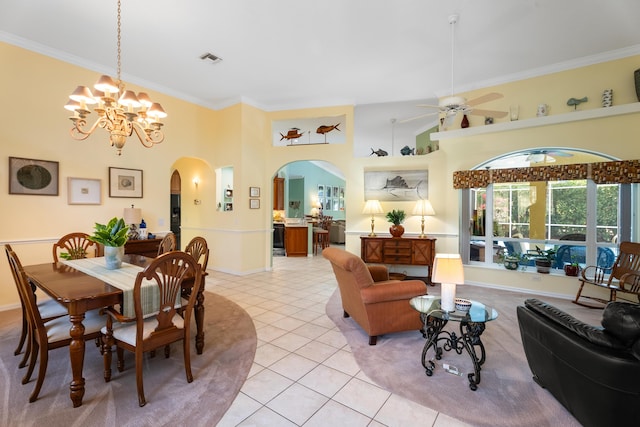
(379, 305)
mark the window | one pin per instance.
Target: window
(583, 221)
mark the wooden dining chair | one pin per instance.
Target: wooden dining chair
(142, 334)
(49, 309)
(44, 336)
(74, 246)
(168, 244)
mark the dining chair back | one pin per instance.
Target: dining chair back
(48, 309)
(45, 335)
(142, 334)
(199, 250)
(74, 246)
(169, 243)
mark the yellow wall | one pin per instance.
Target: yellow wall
(199, 140)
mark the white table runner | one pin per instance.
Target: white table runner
(122, 278)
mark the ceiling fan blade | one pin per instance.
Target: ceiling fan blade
(488, 113)
(427, 106)
(485, 98)
(410, 119)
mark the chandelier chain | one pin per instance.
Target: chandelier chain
(119, 82)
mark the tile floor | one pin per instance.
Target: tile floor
(304, 373)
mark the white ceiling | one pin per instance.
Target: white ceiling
(283, 54)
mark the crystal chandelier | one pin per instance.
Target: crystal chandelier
(121, 118)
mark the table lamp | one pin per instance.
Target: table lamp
(423, 208)
(132, 217)
(448, 271)
(372, 207)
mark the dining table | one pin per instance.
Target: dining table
(81, 291)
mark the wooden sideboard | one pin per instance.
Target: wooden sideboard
(403, 250)
(146, 247)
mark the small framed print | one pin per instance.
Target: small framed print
(125, 183)
(30, 176)
(254, 191)
(84, 191)
(254, 203)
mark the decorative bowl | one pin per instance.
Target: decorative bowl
(463, 304)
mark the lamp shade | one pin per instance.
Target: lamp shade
(447, 268)
(132, 215)
(372, 207)
(423, 208)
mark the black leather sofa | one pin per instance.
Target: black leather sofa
(594, 371)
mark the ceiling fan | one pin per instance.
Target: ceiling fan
(451, 105)
(545, 156)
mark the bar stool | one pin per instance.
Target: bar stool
(320, 239)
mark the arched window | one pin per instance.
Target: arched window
(575, 202)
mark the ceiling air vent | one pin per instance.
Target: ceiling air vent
(211, 57)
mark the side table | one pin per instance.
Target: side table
(472, 325)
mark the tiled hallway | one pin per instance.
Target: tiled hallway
(304, 373)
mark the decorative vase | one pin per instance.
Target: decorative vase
(113, 257)
(396, 230)
(511, 264)
(571, 270)
(465, 122)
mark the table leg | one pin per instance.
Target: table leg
(471, 332)
(199, 314)
(432, 328)
(76, 353)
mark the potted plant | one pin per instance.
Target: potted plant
(572, 268)
(112, 236)
(396, 217)
(543, 259)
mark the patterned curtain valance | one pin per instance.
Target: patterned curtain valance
(618, 172)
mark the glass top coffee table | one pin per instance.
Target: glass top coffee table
(472, 324)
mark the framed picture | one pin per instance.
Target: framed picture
(396, 185)
(254, 203)
(30, 176)
(84, 191)
(125, 183)
(254, 191)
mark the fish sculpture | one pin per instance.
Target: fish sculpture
(326, 129)
(379, 152)
(575, 102)
(294, 133)
(406, 151)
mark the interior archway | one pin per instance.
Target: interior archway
(310, 188)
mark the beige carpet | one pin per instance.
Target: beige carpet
(506, 395)
(230, 344)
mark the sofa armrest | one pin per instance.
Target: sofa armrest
(393, 290)
(379, 273)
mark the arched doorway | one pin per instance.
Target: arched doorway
(306, 189)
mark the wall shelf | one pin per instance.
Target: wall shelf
(574, 116)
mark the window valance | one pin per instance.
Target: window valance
(617, 172)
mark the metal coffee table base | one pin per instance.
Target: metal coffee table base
(440, 340)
